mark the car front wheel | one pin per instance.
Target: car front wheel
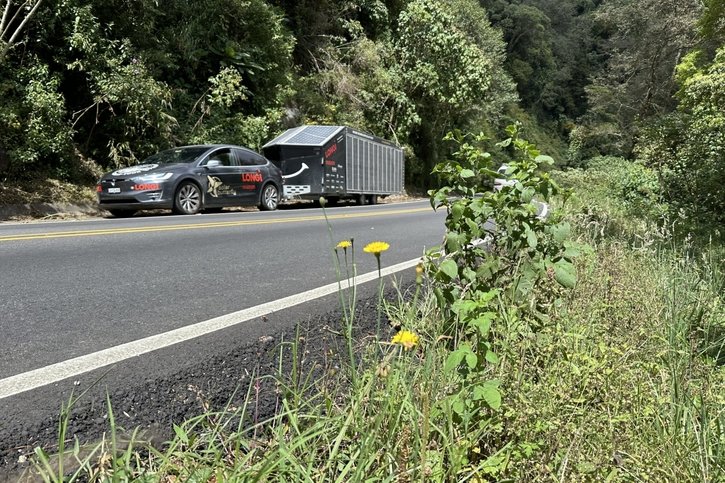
(187, 200)
(270, 198)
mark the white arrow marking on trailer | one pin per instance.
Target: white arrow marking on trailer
(304, 167)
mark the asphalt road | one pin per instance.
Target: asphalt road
(69, 289)
(76, 287)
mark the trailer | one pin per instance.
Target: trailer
(336, 162)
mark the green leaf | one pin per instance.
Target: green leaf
(471, 360)
(560, 231)
(449, 268)
(488, 392)
(469, 274)
(454, 360)
(467, 173)
(531, 238)
(571, 251)
(473, 229)
(454, 241)
(505, 143)
(463, 307)
(484, 298)
(544, 159)
(483, 323)
(458, 406)
(565, 273)
(457, 211)
(181, 434)
(491, 357)
(527, 194)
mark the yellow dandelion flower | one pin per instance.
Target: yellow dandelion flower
(405, 338)
(376, 248)
(344, 244)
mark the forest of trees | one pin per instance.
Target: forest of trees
(87, 86)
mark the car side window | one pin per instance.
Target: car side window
(224, 156)
(248, 158)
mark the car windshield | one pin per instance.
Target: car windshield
(177, 155)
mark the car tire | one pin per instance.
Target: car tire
(122, 213)
(187, 199)
(270, 198)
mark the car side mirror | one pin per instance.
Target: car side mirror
(213, 163)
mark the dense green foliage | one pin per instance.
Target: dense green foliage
(106, 83)
(687, 147)
(524, 251)
(91, 85)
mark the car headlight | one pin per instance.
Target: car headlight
(153, 178)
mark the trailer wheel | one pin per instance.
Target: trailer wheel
(373, 200)
(362, 200)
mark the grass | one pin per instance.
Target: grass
(624, 381)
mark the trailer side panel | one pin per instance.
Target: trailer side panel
(373, 167)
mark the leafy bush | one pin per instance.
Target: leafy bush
(34, 129)
(524, 250)
(632, 182)
(524, 261)
(687, 148)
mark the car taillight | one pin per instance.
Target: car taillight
(99, 188)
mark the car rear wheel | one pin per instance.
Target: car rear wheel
(187, 200)
(270, 198)
(122, 213)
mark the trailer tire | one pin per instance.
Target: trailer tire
(362, 200)
(373, 199)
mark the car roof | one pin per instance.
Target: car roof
(213, 146)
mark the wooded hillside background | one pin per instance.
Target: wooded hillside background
(86, 86)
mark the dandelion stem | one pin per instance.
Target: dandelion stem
(348, 309)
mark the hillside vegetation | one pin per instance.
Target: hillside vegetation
(89, 86)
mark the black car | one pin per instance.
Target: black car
(189, 179)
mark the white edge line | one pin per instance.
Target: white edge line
(44, 376)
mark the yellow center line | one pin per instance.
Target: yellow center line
(196, 226)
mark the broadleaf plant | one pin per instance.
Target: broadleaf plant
(498, 248)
